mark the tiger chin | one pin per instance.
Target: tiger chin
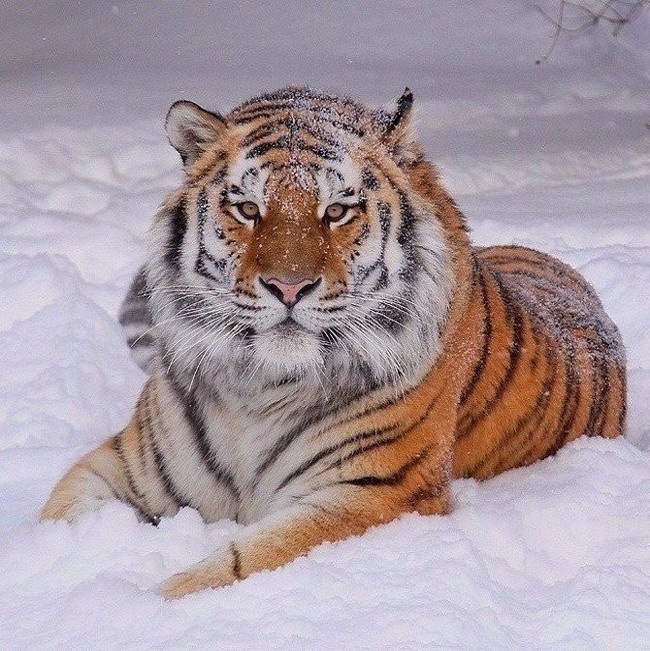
(326, 348)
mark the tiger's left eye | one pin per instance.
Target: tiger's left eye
(335, 212)
(248, 210)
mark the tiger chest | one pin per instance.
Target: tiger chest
(259, 456)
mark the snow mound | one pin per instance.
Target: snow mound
(557, 553)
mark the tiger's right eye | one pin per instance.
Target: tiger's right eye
(335, 212)
(248, 210)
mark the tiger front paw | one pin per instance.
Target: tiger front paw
(61, 508)
(208, 574)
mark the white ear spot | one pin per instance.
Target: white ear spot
(192, 129)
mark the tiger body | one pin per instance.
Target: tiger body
(328, 351)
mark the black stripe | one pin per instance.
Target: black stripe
(479, 280)
(233, 189)
(259, 114)
(330, 120)
(236, 562)
(320, 135)
(620, 370)
(384, 212)
(249, 177)
(406, 240)
(558, 268)
(599, 395)
(283, 142)
(166, 476)
(382, 280)
(143, 421)
(144, 515)
(561, 433)
(362, 449)
(363, 235)
(141, 340)
(369, 180)
(406, 233)
(177, 230)
(528, 422)
(313, 415)
(219, 176)
(515, 319)
(135, 313)
(119, 449)
(374, 409)
(321, 152)
(161, 463)
(396, 478)
(201, 268)
(203, 210)
(421, 418)
(384, 216)
(571, 402)
(191, 409)
(246, 112)
(142, 453)
(263, 131)
(294, 125)
(309, 463)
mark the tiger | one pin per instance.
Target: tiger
(327, 350)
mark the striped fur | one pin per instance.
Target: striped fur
(326, 349)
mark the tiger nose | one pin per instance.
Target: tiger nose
(289, 293)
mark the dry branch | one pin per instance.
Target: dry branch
(616, 13)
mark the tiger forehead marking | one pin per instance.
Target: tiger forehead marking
(329, 350)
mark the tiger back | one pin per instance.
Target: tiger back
(557, 374)
(327, 350)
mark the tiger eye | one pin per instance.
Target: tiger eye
(335, 212)
(249, 209)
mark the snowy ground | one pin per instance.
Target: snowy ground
(555, 156)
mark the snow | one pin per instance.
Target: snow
(555, 156)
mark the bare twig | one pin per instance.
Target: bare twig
(616, 13)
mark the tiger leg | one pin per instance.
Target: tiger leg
(87, 485)
(406, 471)
(101, 475)
(277, 539)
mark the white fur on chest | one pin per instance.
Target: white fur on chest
(243, 436)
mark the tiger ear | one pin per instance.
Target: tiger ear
(396, 127)
(191, 129)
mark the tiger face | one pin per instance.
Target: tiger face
(297, 247)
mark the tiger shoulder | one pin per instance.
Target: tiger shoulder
(326, 348)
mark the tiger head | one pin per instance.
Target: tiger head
(299, 245)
